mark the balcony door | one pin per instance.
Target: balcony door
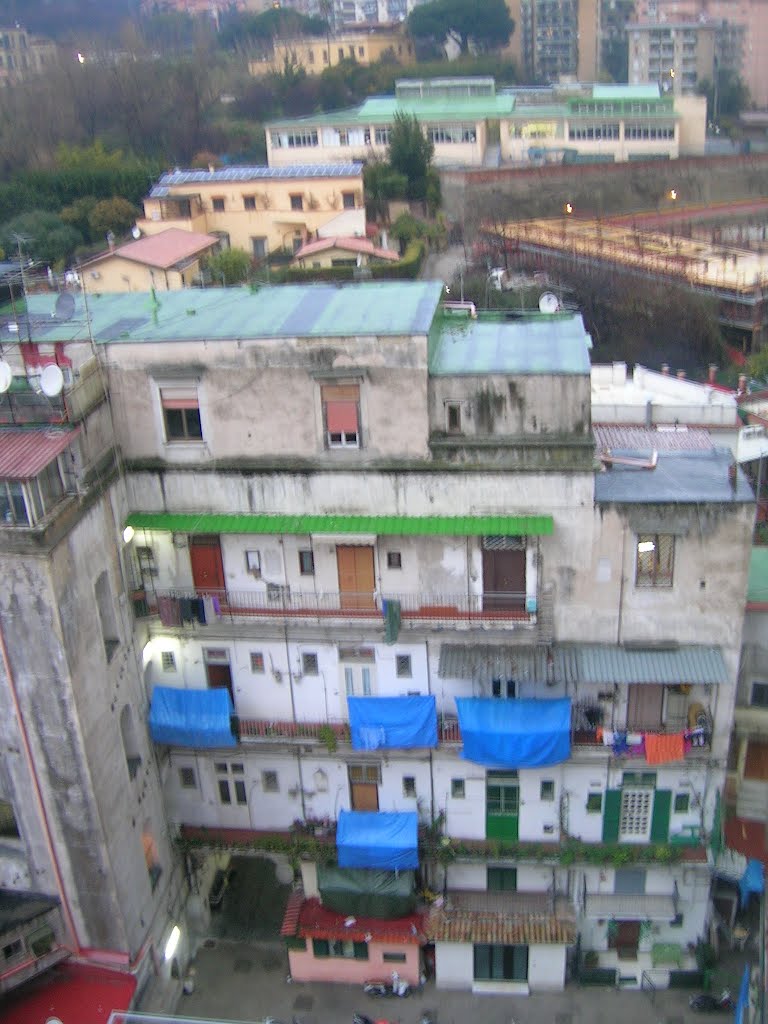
(504, 580)
(356, 576)
(207, 564)
(502, 805)
(364, 781)
(645, 707)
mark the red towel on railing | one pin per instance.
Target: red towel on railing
(663, 747)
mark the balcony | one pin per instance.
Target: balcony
(23, 405)
(200, 609)
(330, 732)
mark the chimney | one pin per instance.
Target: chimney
(681, 374)
(665, 369)
(712, 374)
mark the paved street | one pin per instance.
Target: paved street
(248, 982)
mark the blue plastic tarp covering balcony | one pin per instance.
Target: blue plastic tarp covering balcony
(191, 718)
(381, 723)
(515, 733)
(378, 839)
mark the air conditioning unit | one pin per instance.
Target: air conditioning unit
(95, 275)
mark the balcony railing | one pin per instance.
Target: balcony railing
(25, 406)
(329, 731)
(198, 607)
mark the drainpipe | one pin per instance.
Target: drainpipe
(431, 764)
(38, 796)
(293, 717)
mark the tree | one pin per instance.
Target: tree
(229, 267)
(115, 215)
(484, 23)
(729, 98)
(410, 153)
(382, 183)
(46, 238)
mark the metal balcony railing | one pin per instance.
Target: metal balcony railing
(202, 607)
(268, 728)
(26, 406)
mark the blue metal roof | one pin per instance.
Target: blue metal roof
(245, 173)
(683, 477)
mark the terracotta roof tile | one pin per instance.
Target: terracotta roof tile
(314, 921)
(459, 921)
(361, 245)
(163, 250)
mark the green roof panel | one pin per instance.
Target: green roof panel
(393, 526)
(757, 587)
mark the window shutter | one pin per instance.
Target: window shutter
(360, 950)
(179, 398)
(341, 417)
(611, 813)
(320, 947)
(662, 802)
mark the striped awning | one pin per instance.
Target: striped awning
(25, 453)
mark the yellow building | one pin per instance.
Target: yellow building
(22, 55)
(365, 44)
(165, 262)
(260, 209)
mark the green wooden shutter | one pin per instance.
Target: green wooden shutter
(320, 947)
(662, 803)
(360, 950)
(611, 813)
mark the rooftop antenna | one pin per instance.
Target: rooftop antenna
(6, 376)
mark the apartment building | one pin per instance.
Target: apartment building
(22, 54)
(555, 38)
(471, 124)
(382, 588)
(260, 209)
(364, 44)
(678, 55)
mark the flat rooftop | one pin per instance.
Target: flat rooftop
(381, 308)
(683, 477)
(536, 344)
(220, 175)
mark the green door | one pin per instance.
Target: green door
(502, 806)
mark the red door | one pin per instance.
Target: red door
(207, 566)
(220, 678)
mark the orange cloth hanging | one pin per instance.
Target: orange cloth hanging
(662, 747)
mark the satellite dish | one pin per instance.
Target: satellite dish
(136, 231)
(549, 303)
(51, 381)
(65, 306)
(6, 376)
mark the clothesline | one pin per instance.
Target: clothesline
(656, 748)
(175, 611)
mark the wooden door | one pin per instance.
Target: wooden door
(756, 763)
(207, 566)
(626, 939)
(364, 796)
(504, 580)
(356, 576)
(220, 678)
(645, 706)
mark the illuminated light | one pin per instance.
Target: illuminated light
(646, 545)
(173, 941)
(128, 534)
(568, 208)
(80, 58)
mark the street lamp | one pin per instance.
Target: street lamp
(568, 209)
(672, 194)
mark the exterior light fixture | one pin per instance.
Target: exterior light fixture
(173, 941)
(128, 534)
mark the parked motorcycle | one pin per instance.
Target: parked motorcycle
(387, 989)
(706, 1003)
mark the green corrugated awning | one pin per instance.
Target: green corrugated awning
(397, 526)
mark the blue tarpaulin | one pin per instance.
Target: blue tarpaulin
(379, 723)
(515, 733)
(378, 839)
(191, 718)
(753, 880)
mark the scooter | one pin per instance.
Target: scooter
(706, 1003)
(387, 989)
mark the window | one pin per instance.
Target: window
(341, 53)
(393, 958)
(309, 664)
(381, 135)
(503, 688)
(365, 773)
(13, 949)
(452, 133)
(677, 921)
(227, 786)
(682, 803)
(594, 803)
(501, 879)
(635, 814)
(340, 948)
(257, 662)
(9, 828)
(361, 53)
(270, 782)
(500, 963)
(341, 415)
(348, 200)
(130, 741)
(457, 789)
(453, 417)
(409, 786)
(306, 563)
(547, 790)
(403, 666)
(759, 695)
(394, 560)
(168, 661)
(13, 508)
(253, 563)
(106, 609)
(297, 202)
(655, 560)
(224, 795)
(181, 414)
(343, 136)
(301, 139)
(217, 202)
(259, 247)
(311, 56)
(187, 779)
(502, 793)
(249, 202)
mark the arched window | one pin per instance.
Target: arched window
(109, 631)
(130, 741)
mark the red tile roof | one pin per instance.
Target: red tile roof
(311, 920)
(164, 250)
(73, 993)
(24, 453)
(747, 837)
(361, 245)
(464, 922)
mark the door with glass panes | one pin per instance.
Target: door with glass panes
(364, 781)
(502, 805)
(494, 962)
